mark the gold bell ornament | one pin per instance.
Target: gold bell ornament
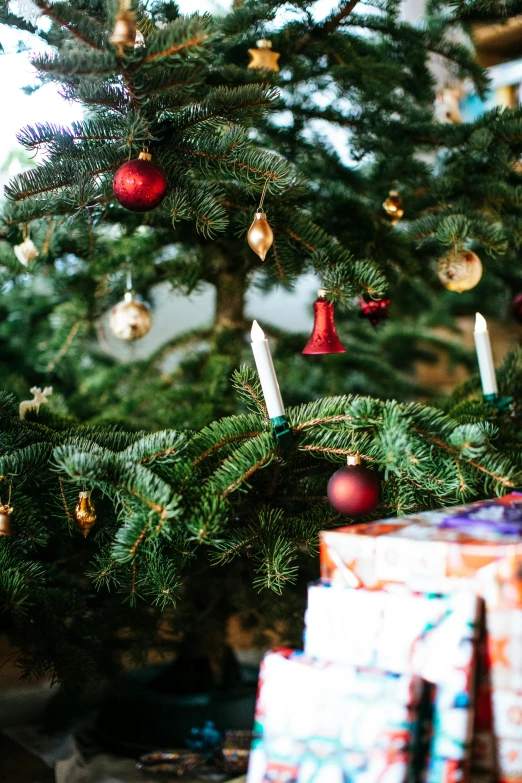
(393, 206)
(84, 513)
(260, 236)
(27, 250)
(459, 270)
(263, 57)
(124, 32)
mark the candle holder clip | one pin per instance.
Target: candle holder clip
(282, 431)
(502, 404)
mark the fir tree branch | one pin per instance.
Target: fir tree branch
(329, 25)
(75, 23)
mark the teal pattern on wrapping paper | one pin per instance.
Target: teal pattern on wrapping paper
(431, 714)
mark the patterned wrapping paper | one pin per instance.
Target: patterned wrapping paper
(501, 585)
(433, 637)
(473, 548)
(319, 722)
(429, 552)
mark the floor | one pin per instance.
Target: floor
(20, 766)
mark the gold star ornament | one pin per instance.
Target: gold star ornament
(263, 57)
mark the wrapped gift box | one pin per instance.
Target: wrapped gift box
(433, 551)
(476, 548)
(433, 637)
(326, 722)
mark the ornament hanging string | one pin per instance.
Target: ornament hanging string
(260, 236)
(8, 495)
(64, 501)
(263, 194)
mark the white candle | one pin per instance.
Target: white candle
(485, 357)
(266, 371)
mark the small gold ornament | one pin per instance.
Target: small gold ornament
(459, 270)
(260, 236)
(393, 207)
(263, 57)
(5, 520)
(84, 513)
(26, 251)
(124, 32)
(130, 319)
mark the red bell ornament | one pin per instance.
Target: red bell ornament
(354, 490)
(374, 310)
(324, 337)
(139, 185)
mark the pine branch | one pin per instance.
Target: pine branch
(83, 27)
(329, 26)
(180, 40)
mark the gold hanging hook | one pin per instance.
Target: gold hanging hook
(263, 194)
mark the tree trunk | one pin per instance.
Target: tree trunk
(230, 300)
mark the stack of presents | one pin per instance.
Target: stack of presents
(412, 662)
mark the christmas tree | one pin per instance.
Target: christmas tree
(223, 491)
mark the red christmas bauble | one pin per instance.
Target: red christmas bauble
(354, 490)
(139, 185)
(516, 308)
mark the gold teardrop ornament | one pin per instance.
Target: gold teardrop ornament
(85, 513)
(260, 236)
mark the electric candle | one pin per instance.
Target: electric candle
(269, 383)
(485, 359)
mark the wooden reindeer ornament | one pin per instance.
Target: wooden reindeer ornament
(39, 397)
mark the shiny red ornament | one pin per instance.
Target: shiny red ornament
(516, 308)
(324, 337)
(374, 310)
(139, 185)
(354, 490)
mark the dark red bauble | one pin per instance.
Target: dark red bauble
(354, 490)
(374, 310)
(139, 185)
(516, 308)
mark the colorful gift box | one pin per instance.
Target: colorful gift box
(476, 548)
(320, 722)
(433, 637)
(429, 552)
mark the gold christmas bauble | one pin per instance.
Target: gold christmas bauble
(5, 520)
(130, 320)
(260, 236)
(263, 56)
(460, 270)
(84, 513)
(393, 206)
